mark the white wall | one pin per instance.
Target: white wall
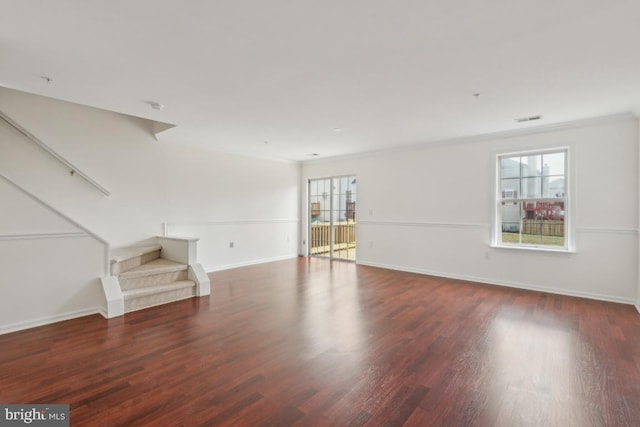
(50, 266)
(217, 197)
(429, 209)
(225, 198)
(117, 151)
(152, 183)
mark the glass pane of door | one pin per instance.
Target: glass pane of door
(344, 216)
(320, 217)
(332, 217)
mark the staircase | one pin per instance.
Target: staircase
(147, 280)
(145, 276)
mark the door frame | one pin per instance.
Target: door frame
(331, 219)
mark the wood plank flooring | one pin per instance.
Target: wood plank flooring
(310, 342)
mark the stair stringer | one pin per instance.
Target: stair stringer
(197, 274)
(113, 295)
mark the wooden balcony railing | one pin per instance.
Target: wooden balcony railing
(344, 236)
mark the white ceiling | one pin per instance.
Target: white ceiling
(233, 74)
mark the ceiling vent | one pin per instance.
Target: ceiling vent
(528, 119)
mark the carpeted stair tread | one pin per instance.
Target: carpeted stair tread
(142, 292)
(157, 266)
(123, 254)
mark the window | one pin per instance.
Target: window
(532, 200)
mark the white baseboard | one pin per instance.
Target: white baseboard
(27, 324)
(526, 286)
(248, 263)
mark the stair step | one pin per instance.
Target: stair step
(141, 292)
(123, 254)
(125, 259)
(151, 280)
(157, 266)
(137, 299)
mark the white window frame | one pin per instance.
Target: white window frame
(496, 240)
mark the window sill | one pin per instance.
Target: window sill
(534, 248)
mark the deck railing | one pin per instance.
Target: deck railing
(344, 236)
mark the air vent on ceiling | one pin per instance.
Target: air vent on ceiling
(528, 119)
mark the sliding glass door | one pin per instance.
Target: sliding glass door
(332, 217)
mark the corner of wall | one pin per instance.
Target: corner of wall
(637, 114)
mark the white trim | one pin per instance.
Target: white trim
(73, 170)
(480, 280)
(112, 296)
(27, 324)
(470, 225)
(321, 177)
(534, 248)
(426, 224)
(181, 238)
(34, 236)
(638, 307)
(232, 222)
(105, 244)
(197, 274)
(605, 230)
(248, 263)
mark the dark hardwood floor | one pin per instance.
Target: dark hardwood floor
(309, 342)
